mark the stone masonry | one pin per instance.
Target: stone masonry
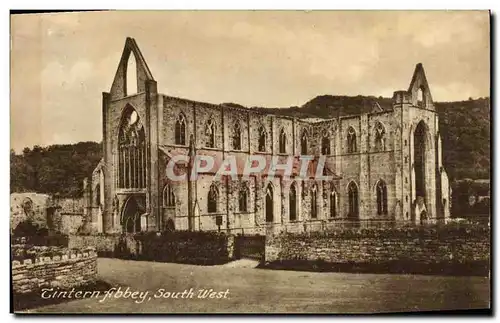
(388, 156)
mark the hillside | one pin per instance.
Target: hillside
(465, 128)
(54, 169)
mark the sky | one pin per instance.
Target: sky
(61, 63)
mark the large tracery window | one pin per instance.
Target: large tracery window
(180, 130)
(131, 151)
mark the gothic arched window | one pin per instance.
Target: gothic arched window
(262, 139)
(381, 198)
(333, 202)
(351, 140)
(269, 203)
(131, 151)
(303, 143)
(325, 144)
(237, 136)
(168, 196)
(210, 134)
(314, 202)
(243, 198)
(213, 198)
(282, 142)
(292, 201)
(379, 137)
(180, 130)
(353, 201)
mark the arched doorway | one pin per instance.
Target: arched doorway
(419, 154)
(170, 226)
(269, 203)
(131, 216)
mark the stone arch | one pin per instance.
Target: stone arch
(131, 214)
(170, 225)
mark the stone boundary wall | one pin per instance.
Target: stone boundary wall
(179, 247)
(445, 249)
(68, 269)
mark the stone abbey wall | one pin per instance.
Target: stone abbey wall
(61, 269)
(450, 246)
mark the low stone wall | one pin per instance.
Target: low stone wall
(59, 268)
(181, 247)
(105, 245)
(447, 249)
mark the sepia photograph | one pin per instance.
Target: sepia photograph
(250, 162)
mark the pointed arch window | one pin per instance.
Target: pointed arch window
(282, 142)
(292, 200)
(314, 202)
(210, 134)
(213, 198)
(243, 198)
(351, 140)
(180, 130)
(237, 136)
(131, 87)
(262, 139)
(379, 137)
(333, 202)
(381, 198)
(269, 203)
(353, 201)
(325, 144)
(131, 151)
(168, 196)
(303, 143)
